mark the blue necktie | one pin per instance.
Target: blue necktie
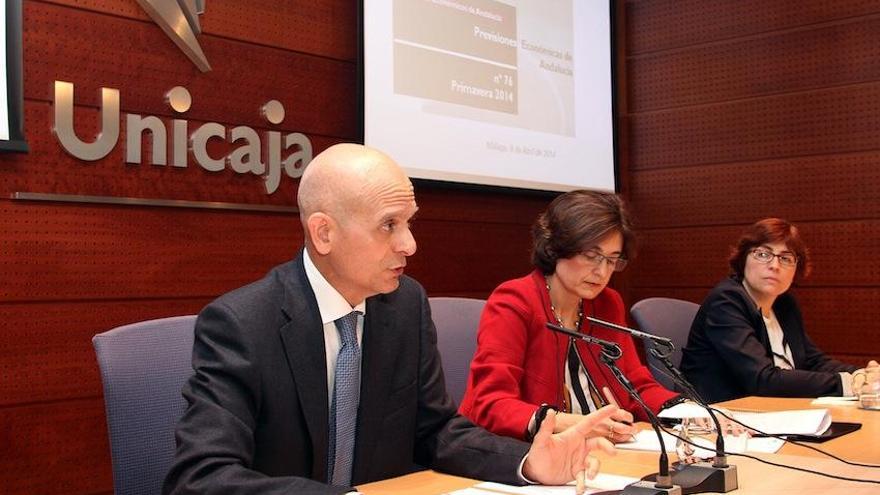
(346, 395)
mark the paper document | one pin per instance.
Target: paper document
(684, 410)
(835, 401)
(647, 440)
(602, 482)
(796, 422)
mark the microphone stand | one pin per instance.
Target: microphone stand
(717, 476)
(611, 351)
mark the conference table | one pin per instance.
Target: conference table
(754, 477)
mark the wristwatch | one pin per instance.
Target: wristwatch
(540, 414)
(678, 399)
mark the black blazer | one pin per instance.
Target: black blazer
(728, 355)
(257, 415)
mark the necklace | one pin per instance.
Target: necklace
(580, 316)
(564, 394)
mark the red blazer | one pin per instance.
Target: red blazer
(519, 362)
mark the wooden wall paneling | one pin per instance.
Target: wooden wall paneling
(692, 294)
(469, 241)
(472, 257)
(829, 187)
(59, 448)
(655, 25)
(478, 205)
(842, 321)
(841, 53)
(326, 27)
(97, 51)
(78, 252)
(46, 347)
(684, 257)
(836, 120)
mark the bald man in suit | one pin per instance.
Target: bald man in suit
(262, 403)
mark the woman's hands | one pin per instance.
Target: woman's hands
(616, 428)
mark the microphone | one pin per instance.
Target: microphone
(611, 351)
(613, 348)
(719, 476)
(663, 341)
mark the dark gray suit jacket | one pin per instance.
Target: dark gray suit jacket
(258, 409)
(728, 354)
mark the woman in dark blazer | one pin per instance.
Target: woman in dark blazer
(748, 337)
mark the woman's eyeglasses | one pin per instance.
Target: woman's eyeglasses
(595, 258)
(765, 256)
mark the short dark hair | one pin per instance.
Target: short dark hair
(576, 221)
(767, 231)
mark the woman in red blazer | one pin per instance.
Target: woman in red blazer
(520, 367)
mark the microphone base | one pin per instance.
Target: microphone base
(702, 477)
(649, 488)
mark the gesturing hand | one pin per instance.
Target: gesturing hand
(556, 459)
(618, 428)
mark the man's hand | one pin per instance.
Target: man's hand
(863, 376)
(556, 459)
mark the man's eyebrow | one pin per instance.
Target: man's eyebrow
(397, 215)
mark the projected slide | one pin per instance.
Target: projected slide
(465, 52)
(501, 92)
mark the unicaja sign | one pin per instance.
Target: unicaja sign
(248, 158)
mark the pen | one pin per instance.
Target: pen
(609, 396)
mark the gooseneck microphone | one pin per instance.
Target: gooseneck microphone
(663, 341)
(612, 348)
(611, 351)
(719, 476)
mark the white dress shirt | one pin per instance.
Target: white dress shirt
(782, 357)
(332, 306)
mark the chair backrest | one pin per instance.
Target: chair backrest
(456, 319)
(670, 318)
(143, 368)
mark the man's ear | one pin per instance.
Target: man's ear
(321, 228)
